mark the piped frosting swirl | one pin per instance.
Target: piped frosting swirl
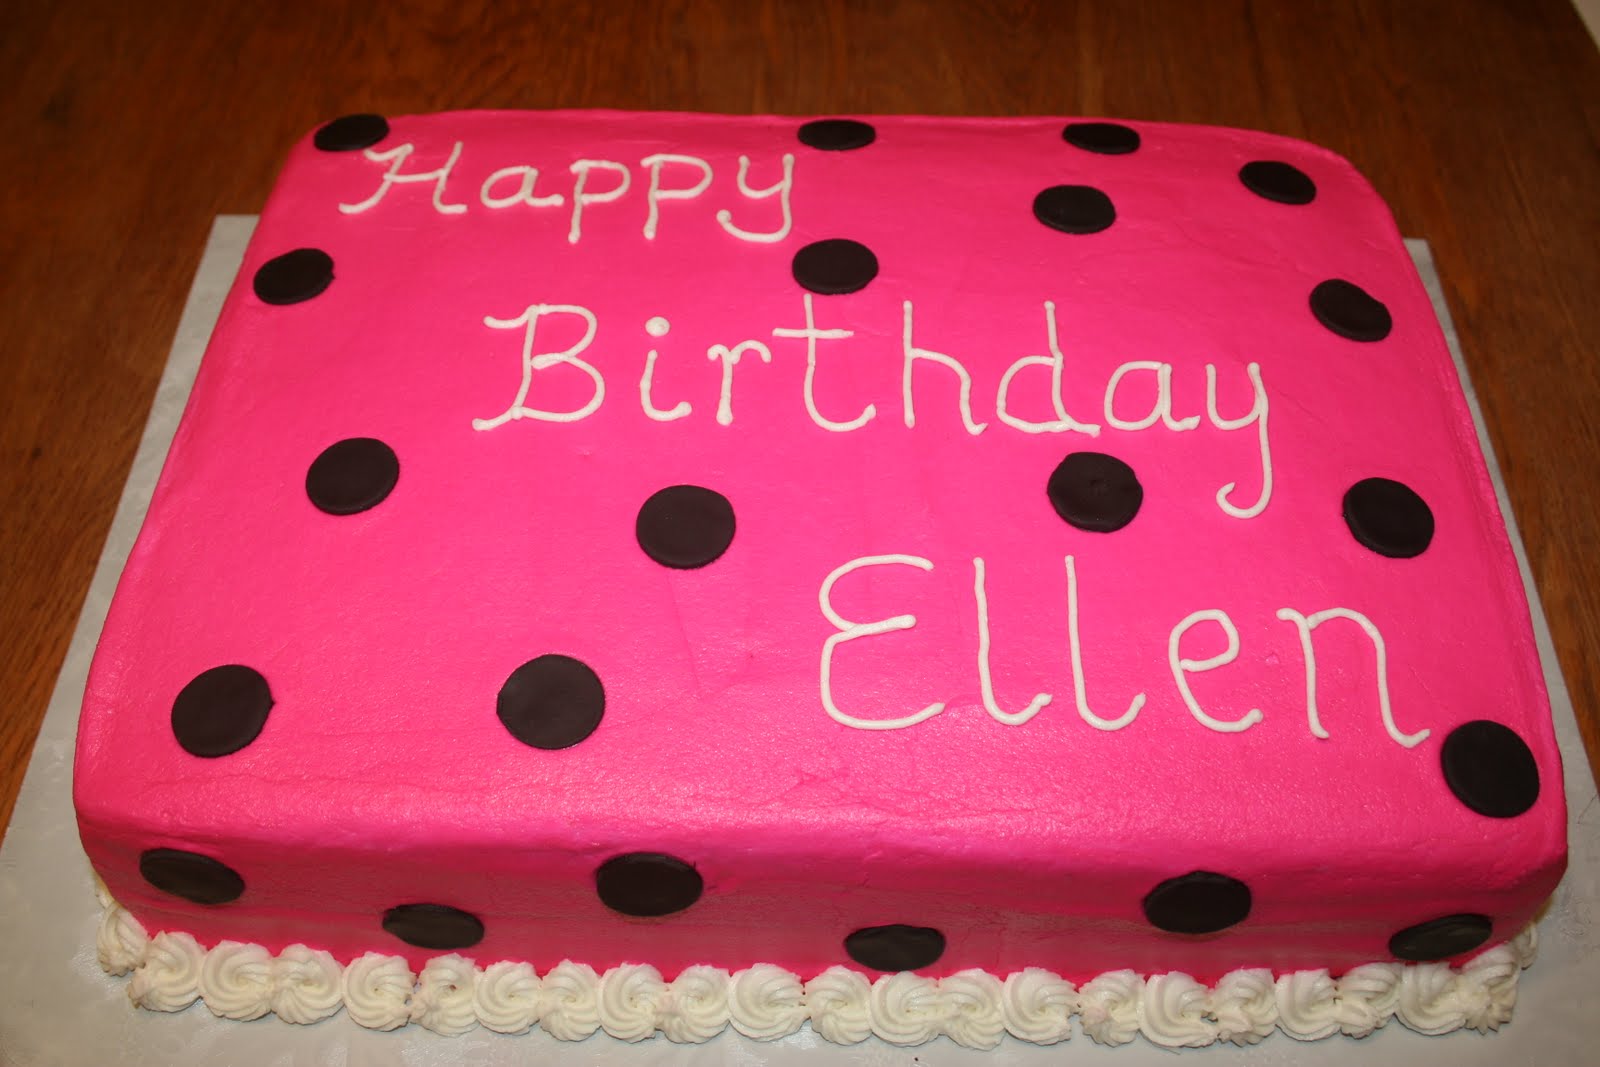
(632, 1002)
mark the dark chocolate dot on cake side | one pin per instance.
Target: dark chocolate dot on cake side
(1490, 769)
(1350, 311)
(433, 926)
(1442, 938)
(895, 947)
(190, 875)
(685, 526)
(1095, 492)
(836, 135)
(1078, 209)
(1278, 181)
(647, 884)
(1388, 517)
(835, 266)
(294, 277)
(352, 475)
(221, 710)
(552, 702)
(351, 133)
(1200, 902)
(1104, 138)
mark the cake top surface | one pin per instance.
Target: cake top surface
(568, 473)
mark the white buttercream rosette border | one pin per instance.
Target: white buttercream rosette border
(571, 1001)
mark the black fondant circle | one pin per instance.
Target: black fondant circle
(1490, 769)
(190, 875)
(1350, 311)
(1388, 517)
(294, 276)
(1074, 209)
(1095, 492)
(1200, 902)
(1106, 138)
(1442, 938)
(350, 133)
(647, 884)
(352, 475)
(835, 266)
(1275, 180)
(433, 926)
(221, 710)
(895, 947)
(552, 702)
(685, 526)
(836, 135)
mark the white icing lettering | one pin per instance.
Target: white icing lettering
(1182, 668)
(780, 190)
(1055, 361)
(1161, 409)
(396, 158)
(912, 354)
(656, 326)
(675, 412)
(582, 199)
(657, 194)
(1257, 415)
(850, 631)
(1076, 647)
(1305, 624)
(985, 679)
(532, 361)
(730, 359)
(526, 177)
(812, 335)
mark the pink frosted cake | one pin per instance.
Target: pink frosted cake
(905, 576)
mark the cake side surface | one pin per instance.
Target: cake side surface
(1141, 430)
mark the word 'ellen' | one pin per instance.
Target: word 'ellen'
(1181, 667)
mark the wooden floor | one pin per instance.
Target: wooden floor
(127, 127)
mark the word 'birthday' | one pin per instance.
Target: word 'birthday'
(912, 356)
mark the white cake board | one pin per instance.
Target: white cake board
(57, 1007)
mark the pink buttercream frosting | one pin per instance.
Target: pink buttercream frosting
(384, 777)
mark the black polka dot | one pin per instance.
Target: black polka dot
(835, 266)
(1106, 138)
(351, 133)
(1388, 517)
(895, 947)
(1074, 209)
(1490, 769)
(837, 135)
(433, 926)
(1350, 311)
(1278, 181)
(190, 875)
(552, 702)
(1095, 492)
(1440, 939)
(294, 276)
(685, 526)
(221, 711)
(647, 884)
(352, 475)
(1200, 902)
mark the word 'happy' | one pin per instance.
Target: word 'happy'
(513, 186)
